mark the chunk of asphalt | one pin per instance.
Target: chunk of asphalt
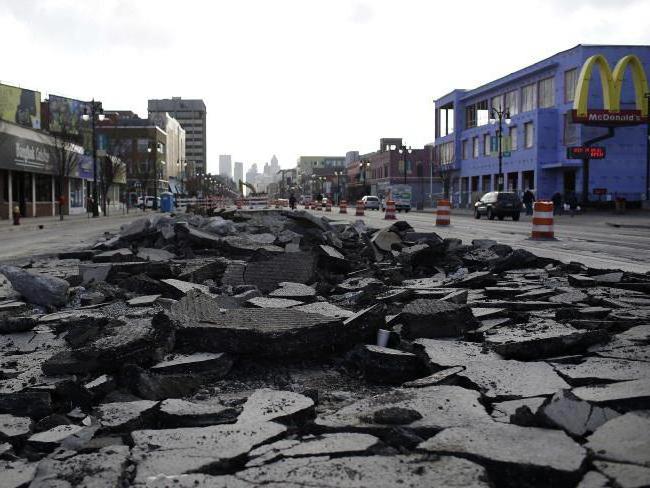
(566, 411)
(623, 439)
(514, 455)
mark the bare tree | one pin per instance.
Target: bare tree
(112, 168)
(66, 156)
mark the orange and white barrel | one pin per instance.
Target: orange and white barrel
(239, 204)
(343, 207)
(360, 208)
(543, 221)
(390, 210)
(443, 213)
(328, 206)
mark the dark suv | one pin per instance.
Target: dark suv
(498, 204)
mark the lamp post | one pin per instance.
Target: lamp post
(364, 164)
(96, 112)
(404, 150)
(338, 175)
(500, 116)
(647, 157)
(154, 151)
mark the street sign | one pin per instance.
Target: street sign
(585, 152)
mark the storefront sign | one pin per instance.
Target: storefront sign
(612, 85)
(585, 152)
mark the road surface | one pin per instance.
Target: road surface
(584, 238)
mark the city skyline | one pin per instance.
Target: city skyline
(295, 98)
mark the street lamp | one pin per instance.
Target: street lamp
(500, 116)
(403, 150)
(647, 157)
(96, 113)
(364, 164)
(338, 175)
(150, 150)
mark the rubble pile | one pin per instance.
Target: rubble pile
(242, 350)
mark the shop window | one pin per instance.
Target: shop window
(76, 192)
(43, 188)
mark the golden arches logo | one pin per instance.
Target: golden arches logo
(612, 85)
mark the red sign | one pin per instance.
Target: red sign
(608, 118)
(600, 191)
(585, 152)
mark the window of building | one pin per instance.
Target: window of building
(482, 113)
(570, 82)
(470, 116)
(465, 148)
(475, 147)
(446, 155)
(446, 118)
(513, 138)
(547, 93)
(497, 102)
(43, 188)
(528, 98)
(529, 135)
(143, 145)
(570, 131)
(511, 102)
(486, 144)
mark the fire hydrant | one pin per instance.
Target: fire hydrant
(16, 214)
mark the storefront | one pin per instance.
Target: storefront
(30, 174)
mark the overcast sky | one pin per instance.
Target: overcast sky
(296, 77)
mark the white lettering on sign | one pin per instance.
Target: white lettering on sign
(27, 152)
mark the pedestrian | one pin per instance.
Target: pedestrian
(572, 201)
(292, 201)
(557, 203)
(528, 200)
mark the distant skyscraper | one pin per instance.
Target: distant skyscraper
(191, 114)
(239, 172)
(225, 165)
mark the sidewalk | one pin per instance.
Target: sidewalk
(33, 223)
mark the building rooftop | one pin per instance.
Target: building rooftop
(175, 103)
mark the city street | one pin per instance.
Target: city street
(590, 238)
(585, 238)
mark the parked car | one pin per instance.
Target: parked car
(148, 201)
(499, 204)
(370, 202)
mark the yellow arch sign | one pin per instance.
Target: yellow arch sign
(612, 84)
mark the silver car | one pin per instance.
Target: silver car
(370, 202)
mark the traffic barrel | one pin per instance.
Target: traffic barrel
(390, 210)
(239, 204)
(543, 221)
(343, 207)
(360, 208)
(443, 213)
(319, 205)
(328, 206)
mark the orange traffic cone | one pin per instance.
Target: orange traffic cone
(390, 210)
(343, 207)
(360, 208)
(543, 221)
(443, 213)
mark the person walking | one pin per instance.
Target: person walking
(528, 200)
(557, 203)
(572, 201)
(292, 201)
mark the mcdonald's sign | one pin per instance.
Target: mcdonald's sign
(612, 85)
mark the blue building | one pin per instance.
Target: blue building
(539, 99)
